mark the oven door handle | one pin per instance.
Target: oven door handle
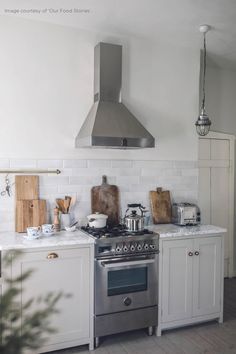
(116, 264)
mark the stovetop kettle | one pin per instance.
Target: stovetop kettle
(134, 222)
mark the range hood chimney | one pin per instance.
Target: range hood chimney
(109, 124)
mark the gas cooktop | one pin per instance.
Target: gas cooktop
(116, 231)
(119, 242)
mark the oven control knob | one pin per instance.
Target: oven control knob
(132, 248)
(139, 247)
(152, 247)
(118, 249)
(146, 247)
(125, 248)
(127, 301)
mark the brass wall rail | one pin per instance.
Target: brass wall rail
(30, 171)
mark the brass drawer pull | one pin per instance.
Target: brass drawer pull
(52, 255)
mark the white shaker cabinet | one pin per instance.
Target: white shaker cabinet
(69, 271)
(176, 280)
(207, 276)
(190, 281)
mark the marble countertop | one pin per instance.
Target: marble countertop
(13, 240)
(170, 230)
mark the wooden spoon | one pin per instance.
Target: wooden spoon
(66, 205)
(60, 203)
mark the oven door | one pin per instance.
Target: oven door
(125, 283)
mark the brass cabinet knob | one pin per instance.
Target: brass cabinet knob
(52, 255)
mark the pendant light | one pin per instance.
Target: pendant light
(203, 122)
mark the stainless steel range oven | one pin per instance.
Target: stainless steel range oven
(126, 282)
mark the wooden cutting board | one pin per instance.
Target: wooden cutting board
(30, 213)
(27, 187)
(105, 199)
(160, 206)
(30, 210)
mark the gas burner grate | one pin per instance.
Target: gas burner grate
(116, 231)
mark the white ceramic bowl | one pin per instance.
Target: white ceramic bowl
(97, 220)
(70, 229)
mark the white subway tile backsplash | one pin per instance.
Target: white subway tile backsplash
(49, 163)
(90, 180)
(134, 178)
(135, 197)
(23, 163)
(184, 196)
(54, 180)
(171, 180)
(152, 171)
(48, 189)
(123, 171)
(146, 188)
(153, 180)
(74, 163)
(185, 164)
(153, 164)
(122, 163)
(66, 172)
(172, 172)
(4, 163)
(124, 188)
(85, 171)
(190, 172)
(109, 172)
(99, 163)
(6, 216)
(7, 226)
(127, 180)
(66, 189)
(84, 180)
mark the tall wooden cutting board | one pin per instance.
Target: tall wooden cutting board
(160, 206)
(27, 187)
(105, 199)
(30, 210)
(30, 213)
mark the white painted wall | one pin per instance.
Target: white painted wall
(221, 99)
(46, 90)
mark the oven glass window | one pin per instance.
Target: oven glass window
(127, 281)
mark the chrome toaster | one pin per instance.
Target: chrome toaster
(185, 214)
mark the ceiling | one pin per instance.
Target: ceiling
(173, 21)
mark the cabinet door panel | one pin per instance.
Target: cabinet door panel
(177, 280)
(204, 195)
(219, 149)
(68, 273)
(207, 276)
(220, 202)
(204, 149)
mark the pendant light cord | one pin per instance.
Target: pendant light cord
(204, 73)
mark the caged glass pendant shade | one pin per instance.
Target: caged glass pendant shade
(203, 122)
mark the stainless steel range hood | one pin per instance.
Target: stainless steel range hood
(109, 123)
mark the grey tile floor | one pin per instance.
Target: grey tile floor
(208, 338)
